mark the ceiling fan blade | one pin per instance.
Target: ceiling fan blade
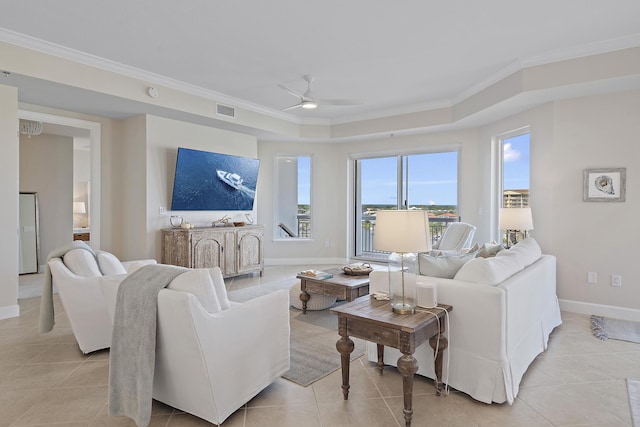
(292, 107)
(291, 91)
(340, 101)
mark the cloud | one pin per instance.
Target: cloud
(510, 154)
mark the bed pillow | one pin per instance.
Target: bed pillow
(443, 266)
(81, 262)
(110, 264)
(199, 283)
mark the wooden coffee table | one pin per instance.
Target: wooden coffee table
(374, 321)
(341, 286)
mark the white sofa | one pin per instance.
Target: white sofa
(77, 276)
(504, 309)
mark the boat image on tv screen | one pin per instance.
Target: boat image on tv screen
(206, 181)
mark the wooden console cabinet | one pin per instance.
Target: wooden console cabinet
(236, 250)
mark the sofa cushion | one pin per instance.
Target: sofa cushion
(219, 286)
(528, 251)
(109, 264)
(443, 266)
(81, 262)
(490, 271)
(199, 283)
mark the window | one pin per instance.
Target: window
(515, 161)
(293, 197)
(427, 181)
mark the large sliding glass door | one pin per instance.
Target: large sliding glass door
(426, 181)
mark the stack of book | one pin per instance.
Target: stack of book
(316, 274)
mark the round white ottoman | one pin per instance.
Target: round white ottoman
(316, 301)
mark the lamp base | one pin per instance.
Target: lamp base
(403, 308)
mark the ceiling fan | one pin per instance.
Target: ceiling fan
(308, 100)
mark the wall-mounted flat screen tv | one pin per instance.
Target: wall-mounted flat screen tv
(206, 181)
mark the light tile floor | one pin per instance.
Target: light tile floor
(579, 381)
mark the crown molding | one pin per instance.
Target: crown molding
(56, 50)
(63, 52)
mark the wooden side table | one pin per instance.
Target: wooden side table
(374, 321)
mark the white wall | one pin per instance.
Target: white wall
(592, 132)
(163, 137)
(328, 204)
(9, 196)
(46, 167)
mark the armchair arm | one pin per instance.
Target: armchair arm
(132, 266)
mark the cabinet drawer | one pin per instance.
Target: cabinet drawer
(82, 236)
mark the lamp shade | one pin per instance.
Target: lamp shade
(516, 219)
(79, 208)
(402, 231)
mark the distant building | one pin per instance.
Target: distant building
(515, 198)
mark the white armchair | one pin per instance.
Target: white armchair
(214, 355)
(78, 283)
(209, 365)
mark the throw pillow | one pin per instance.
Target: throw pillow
(490, 271)
(474, 248)
(199, 283)
(220, 288)
(109, 264)
(81, 262)
(528, 251)
(490, 249)
(444, 266)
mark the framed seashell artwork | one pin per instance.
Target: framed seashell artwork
(604, 184)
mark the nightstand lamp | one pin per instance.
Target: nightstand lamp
(403, 233)
(514, 221)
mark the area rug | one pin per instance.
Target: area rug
(633, 387)
(604, 328)
(313, 337)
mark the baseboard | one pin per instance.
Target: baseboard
(600, 310)
(305, 261)
(9, 311)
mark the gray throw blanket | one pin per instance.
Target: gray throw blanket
(133, 344)
(47, 318)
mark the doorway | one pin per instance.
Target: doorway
(66, 126)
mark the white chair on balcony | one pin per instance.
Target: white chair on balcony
(456, 236)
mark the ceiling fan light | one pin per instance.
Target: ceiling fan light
(309, 105)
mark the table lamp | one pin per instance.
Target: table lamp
(403, 233)
(514, 220)
(79, 208)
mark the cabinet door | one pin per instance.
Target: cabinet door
(176, 248)
(207, 250)
(250, 256)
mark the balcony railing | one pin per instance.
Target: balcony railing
(437, 225)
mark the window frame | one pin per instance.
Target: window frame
(355, 204)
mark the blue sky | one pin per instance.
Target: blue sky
(433, 177)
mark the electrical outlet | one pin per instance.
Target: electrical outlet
(616, 280)
(592, 277)
(162, 210)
